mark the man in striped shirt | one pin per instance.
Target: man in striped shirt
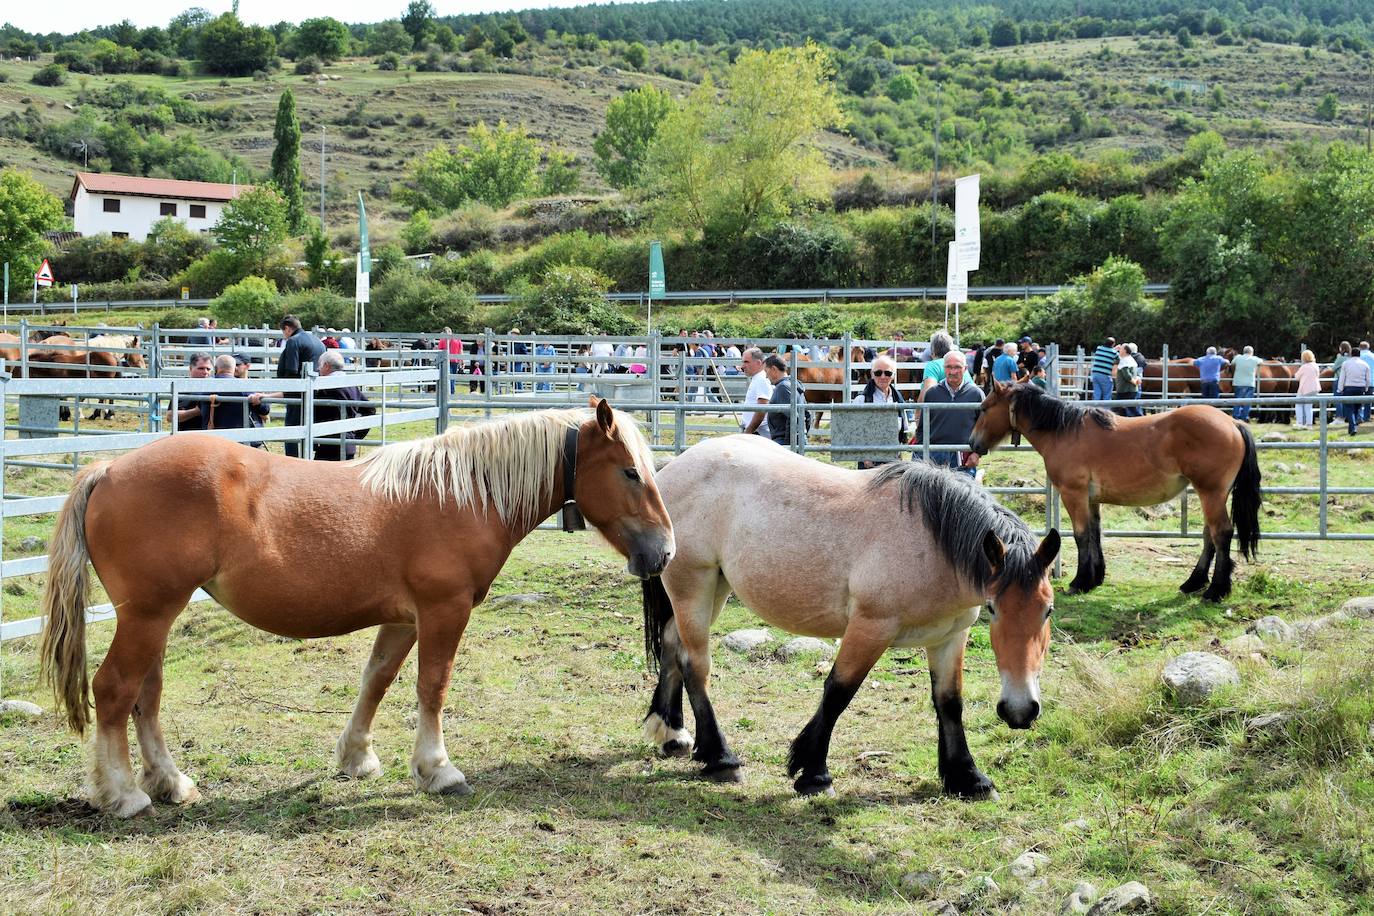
(1104, 365)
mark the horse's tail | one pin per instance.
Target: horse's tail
(658, 611)
(1246, 498)
(63, 651)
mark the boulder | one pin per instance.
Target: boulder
(32, 544)
(1281, 467)
(805, 645)
(1244, 644)
(1081, 900)
(1359, 608)
(1194, 676)
(918, 881)
(1267, 722)
(1132, 897)
(20, 708)
(1028, 865)
(1272, 627)
(942, 908)
(746, 641)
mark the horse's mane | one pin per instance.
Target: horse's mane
(959, 514)
(1047, 413)
(508, 464)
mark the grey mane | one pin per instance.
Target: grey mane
(959, 514)
(1047, 413)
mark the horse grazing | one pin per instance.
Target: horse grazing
(947, 549)
(429, 524)
(1094, 457)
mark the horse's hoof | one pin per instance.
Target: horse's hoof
(976, 787)
(816, 784)
(1215, 595)
(726, 770)
(1193, 586)
(676, 748)
(175, 788)
(457, 789)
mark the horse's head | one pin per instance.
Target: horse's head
(1020, 601)
(994, 421)
(615, 491)
(133, 360)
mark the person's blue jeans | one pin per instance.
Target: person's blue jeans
(1242, 411)
(1211, 390)
(1102, 387)
(1355, 415)
(950, 460)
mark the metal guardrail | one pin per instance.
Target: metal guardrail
(824, 294)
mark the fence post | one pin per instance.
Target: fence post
(308, 414)
(848, 387)
(1322, 453)
(655, 363)
(1164, 383)
(680, 415)
(798, 415)
(441, 396)
(488, 387)
(24, 346)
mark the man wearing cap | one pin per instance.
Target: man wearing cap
(1027, 359)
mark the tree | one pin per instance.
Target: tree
(496, 167)
(502, 44)
(1329, 107)
(229, 48)
(901, 88)
(475, 38)
(286, 160)
(417, 20)
(636, 55)
(253, 225)
(325, 37)
(728, 166)
(560, 173)
(388, 37)
(26, 212)
(316, 252)
(631, 123)
(1004, 34)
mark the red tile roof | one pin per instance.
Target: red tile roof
(134, 186)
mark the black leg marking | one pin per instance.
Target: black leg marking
(1083, 579)
(812, 746)
(1221, 576)
(959, 775)
(711, 748)
(1198, 580)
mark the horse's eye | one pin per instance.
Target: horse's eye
(1049, 611)
(632, 473)
(992, 611)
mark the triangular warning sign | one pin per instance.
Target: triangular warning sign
(44, 275)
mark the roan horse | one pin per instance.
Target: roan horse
(430, 524)
(946, 548)
(1094, 457)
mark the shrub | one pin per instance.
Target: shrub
(1110, 300)
(309, 66)
(171, 247)
(389, 61)
(51, 75)
(480, 270)
(407, 300)
(250, 302)
(322, 307)
(818, 321)
(212, 274)
(571, 300)
(792, 255)
(177, 318)
(418, 234)
(97, 259)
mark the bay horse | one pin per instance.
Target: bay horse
(1093, 457)
(65, 358)
(946, 549)
(835, 391)
(429, 524)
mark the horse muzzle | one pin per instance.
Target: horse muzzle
(1018, 715)
(649, 556)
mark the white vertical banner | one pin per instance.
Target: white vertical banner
(967, 229)
(956, 277)
(364, 282)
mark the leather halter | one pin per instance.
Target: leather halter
(572, 516)
(1011, 412)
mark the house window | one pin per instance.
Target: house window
(119, 235)
(112, 205)
(197, 211)
(167, 209)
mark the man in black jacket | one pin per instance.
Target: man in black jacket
(345, 448)
(300, 353)
(780, 424)
(953, 427)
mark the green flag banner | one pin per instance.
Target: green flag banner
(658, 282)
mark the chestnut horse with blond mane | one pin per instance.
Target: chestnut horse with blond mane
(408, 539)
(1093, 457)
(908, 555)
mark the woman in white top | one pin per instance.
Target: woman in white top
(881, 390)
(1309, 383)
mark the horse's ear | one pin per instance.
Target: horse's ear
(605, 417)
(1004, 388)
(592, 401)
(994, 550)
(1048, 549)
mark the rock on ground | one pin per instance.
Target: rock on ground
(1081, 900)
(1028, 864)
(746, 641)
(1244, 644)
(918, 880)
(1272, 627)
(20, 708)
(805, 645)
(1132, 897)
(1359, 608)
(1274, 437)
(1194, 676)
(942, 908)
(32, 544)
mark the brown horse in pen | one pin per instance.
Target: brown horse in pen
(60, 356)
(430, 523)
(1094, 457)
(826, 384)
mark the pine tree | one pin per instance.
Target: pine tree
(286, 160)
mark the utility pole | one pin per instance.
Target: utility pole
(321, 176)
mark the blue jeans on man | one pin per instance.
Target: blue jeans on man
(1211, 390)
(1355, 414)
(1102, 387)
(951, 460)
(1242, 411)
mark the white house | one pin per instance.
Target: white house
(127, 206)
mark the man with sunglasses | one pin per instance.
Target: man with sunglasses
(953, 426)
(880, 390)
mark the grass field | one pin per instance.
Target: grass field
(574, 813)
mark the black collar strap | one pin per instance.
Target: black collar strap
(572, 517)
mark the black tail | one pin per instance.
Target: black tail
(658, 610)
(1246, 498)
